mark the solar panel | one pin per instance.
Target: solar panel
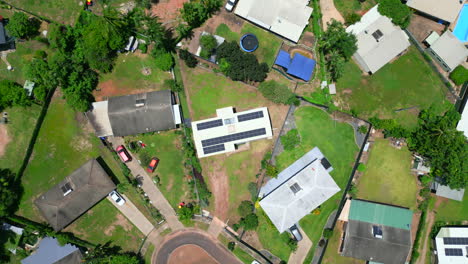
(377, 34)
(295, 188)
(210, 124)
(456, 240)
(233, 137)
(250, 116)
(212, 149)
(453, 252)
(377, 231)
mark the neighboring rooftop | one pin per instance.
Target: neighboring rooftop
(450, 49)
(377, 232)
(298, 190)
(299, 66)
(378, 40)
(446, 10)
(447, 192)
(463, 123)
(135, 114)
(221, 134)
(285, 18)
(75, 195)
(50, 252)
(452, 245)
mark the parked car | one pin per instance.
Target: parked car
(255, 262)
(118, 199)
(295, 232)
(152, 165)
(123, 154)
(230, 5)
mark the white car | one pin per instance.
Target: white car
(230, 5)
(118, 199)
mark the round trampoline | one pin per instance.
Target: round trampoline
(249, 43)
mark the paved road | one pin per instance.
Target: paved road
(154, 194)
(134, 215)
(193, 237)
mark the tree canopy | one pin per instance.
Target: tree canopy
(12, 94)
(397, 11)
(9, 192)
(21, 26)
(245, 208)
(196, 12)
(459, 75)
(250, 222)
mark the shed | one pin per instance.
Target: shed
(29, 87)
(432, 38)
(448, 51)
(299, 66)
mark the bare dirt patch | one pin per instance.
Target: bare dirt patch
(191, 254)
(4, 139)
(120, 221)
(110, 88)
(167, 10)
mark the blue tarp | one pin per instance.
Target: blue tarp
(283, 59)
(300, 66)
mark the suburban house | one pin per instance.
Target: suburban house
(6, 42)
(228, 129)
(298, 190)
(75, 195)
(452, 245)
(378, 40)
(135, 114)
(285, 18)
(49, 251)
(376, 232)
(436, 9)
(12, 234)
(299, 66)
(448, 51)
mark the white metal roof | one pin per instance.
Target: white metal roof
(450, 49)
(99, 118)
(432, 38)
(463, 123)
(444, 9)
(299, 195)
(447, 192)
(372, 53)
(285, 18)
(441, 246)
(230, 125)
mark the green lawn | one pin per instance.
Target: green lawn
(20, 129)
(270, 237)
(127, 73)
(336, 141)
(269, 44)
(346, 7)
(242, 255)
(62, 11)
(167, 147)
(450, 210)
(63, 145)
(387, 178)
(149, 254)
(393, 87)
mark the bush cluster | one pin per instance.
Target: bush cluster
(291, 139)
(459, 75)
(278, 93)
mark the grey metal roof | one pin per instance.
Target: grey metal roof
(360, 243)
(447, 10)
(154, 114)
(50, 252)
(2, 34)
(445, 191)
(450, 49)
(89, 183)
(307, 187)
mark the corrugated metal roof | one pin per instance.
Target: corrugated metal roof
(380, 214)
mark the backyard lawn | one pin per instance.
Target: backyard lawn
(391, 88)
(326, 136)
(387, 178)
(167, 147)
(268, 45)
(453, 211)
(62, 11)
(345, 7)
(63, 145)
(20, 129)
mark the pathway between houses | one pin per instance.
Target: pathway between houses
(154, 194)
(329, 12)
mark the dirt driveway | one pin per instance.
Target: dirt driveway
(329, 12)
(4, 139)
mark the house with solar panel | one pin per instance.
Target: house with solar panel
(135, 114)
(298, 190)
(452, 245)
(223, 133)
(375, 232)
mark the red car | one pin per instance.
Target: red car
(123, 154)
(152, 165)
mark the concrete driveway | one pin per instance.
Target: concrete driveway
(303, 248)
(134, 215)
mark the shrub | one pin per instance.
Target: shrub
(172, 85)
(362, 129)
(290, 242)
(397, 11)
(163, 59)
(361, 167)
(21, 26)
(276, 92)
(291, 139)
(390, 126)
(352, 18)
(352, 190)
(186, 212)
(123, 187)
(253, 190)
(327, 233)
(250, 222)
(188, 58)
(145, 158)
(143, 48)
(459, 75)
(271, 170)
(231, 245)
(208, 44)
(425, 180)
(245, 208)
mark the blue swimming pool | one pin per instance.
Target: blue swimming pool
(461, 29)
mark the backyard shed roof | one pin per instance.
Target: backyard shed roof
(380, 214)
(446, 10)
(447, 192)
(50, 252)
(378, 40)
(449, 48)
(285, 18)
(141, 113)
(283, 59)
(300, 66)
(75, 195)
(301, 187)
